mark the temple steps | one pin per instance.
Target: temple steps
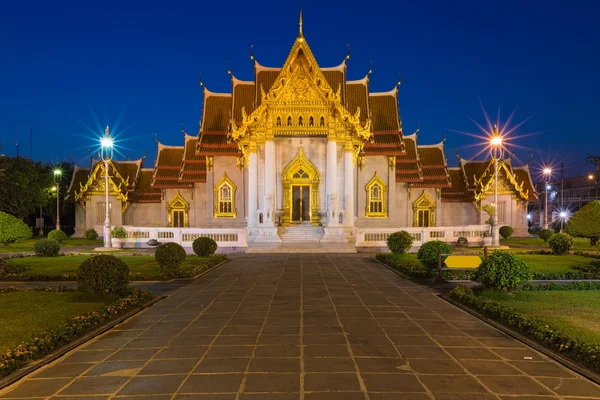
(301, 234)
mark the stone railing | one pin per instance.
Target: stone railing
(225, 237)
(377, 237)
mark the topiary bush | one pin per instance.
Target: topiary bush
(169, 257)
(546, 234)
(428, 253)
(57, 235)
(47, 248)
(399, 242)
(585, 223)
(506, 231)
(12, 230)
(103, 274)
(204, 246)
(561, 243)
(503, 270)
(534, 230)
(91, 234)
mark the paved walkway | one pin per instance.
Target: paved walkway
(314, 327)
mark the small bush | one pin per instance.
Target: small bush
(47, 248)
(12, 230)
(57, 235)
(546, 234)
(91, 234)
(118, 232)
(169, 257)
(503, 270)
(534, 230)
(103, 274)
(506, 231)
(400, 242)
(561, 243)
(204, 246)
(428, 253)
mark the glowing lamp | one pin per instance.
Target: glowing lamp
(529, 216)
(54, 188)
(496, 141)
(548, 187)
(563, 214)
(57, 172)
(591, 177)
(106, 142)
(547, 171)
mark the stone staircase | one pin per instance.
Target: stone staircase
(301, 234)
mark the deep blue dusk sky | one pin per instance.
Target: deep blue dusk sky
(70, 67)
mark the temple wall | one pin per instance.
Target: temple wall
(395, 218)
(94, 216)
(207, 203)
(143, 214)
(80, 223)
(458, 214)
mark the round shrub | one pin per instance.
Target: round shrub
(91, 234)
(57, 235)
(503, 270)
(428, 253)
(102, 274)
(534, 230)
(506, 231)
(204, 246)
(546, 234)
(12, 229)
(169, 257)
(561, 243)
(47, 248)
(399, 242)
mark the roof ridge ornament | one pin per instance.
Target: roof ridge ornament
(348, 55)
(300, 34)
(252, 55)
(399, 80)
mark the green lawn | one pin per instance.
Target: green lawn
(68, 264)
(24, 314)
(27, 245)
(550, 264)
(535, 242)
(411, 257)
(574, 312)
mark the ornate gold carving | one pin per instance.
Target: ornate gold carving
(95, 185)
(210, 162)
(241, 162)
(426, 207)
(361, 162)
(175, 206)
(225, 191)
(311, 178)
(392, 162)
(376, 198)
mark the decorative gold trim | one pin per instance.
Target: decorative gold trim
(424, 203)
(361, 162)
(178, 204)
(392, 162)
(313, 180)
(210, 163)
(376, 181)
(225, 181)
(95, 185)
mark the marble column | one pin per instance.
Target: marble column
(270, 184)
(348, 185)
(252, 187)
(331, 183)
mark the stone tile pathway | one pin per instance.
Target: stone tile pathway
(313, 327)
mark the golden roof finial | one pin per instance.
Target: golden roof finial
(251, 55)
(348, 55)
(229, 70)
(399, 80)
(300, 33)
(201, 83)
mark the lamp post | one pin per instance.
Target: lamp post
(106, 144)
(57, 175)
(593, 179)
(496, 145)
(547, 171)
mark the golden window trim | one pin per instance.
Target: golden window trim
(376, 181)
(225, 181)
(178, 204)
(424, 203)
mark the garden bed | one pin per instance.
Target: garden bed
(26, 246)
(64, 268)
(581, 244)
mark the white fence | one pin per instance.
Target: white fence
(377, 237)
(139, 236)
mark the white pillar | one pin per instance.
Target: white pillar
(252, 187)
(348, 185)
(331, 181)
(270, 180)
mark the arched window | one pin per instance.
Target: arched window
(300, 120)
(225, 198)
(376, 198)
(177, 211)
(311, 121)
(278, 121)
(424, 209)
(322, 122)
(290, 121)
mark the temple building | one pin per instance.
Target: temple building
(300, 153)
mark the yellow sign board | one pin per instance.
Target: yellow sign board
(463, 262)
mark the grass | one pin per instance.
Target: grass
(24, 314)
(410, 257)
(550, 264)
(27, 245)
(581, 244)
(56, 266)
(576, 313)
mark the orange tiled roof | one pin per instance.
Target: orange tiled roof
(217, 112)
(144, 192)
(243, 96)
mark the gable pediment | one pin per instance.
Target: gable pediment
(298, 89)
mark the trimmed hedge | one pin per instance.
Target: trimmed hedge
(47, 248)
(169, 257)
(91, 234)
(46, 342)
(399, 242)
(561, 243)
(57, 235)
(546, 234)
(583, 352)
(204, 246)
(506, 231)
(103, 274)
(571, 286)
(12, 229)
(428, 253)
(411, 269)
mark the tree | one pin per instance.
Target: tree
(585, 223)
(12, 229)
(24, 186)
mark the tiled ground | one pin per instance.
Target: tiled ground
(314, 327)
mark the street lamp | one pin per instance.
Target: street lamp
(593, 179)
(57, 176)
(496, 145)
(547, 172)
(106, 144)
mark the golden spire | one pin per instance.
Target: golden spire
(300, 34)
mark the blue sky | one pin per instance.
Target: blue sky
(70, 68)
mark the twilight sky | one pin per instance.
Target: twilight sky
(68, 68)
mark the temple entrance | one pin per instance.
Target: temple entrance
(300, 203)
